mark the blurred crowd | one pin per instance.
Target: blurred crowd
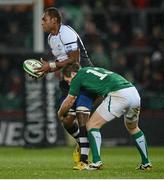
(11, 84)
(126, 36)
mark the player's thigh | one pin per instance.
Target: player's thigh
(95, 121)
(112, 106)
(83, 108)
(131, 116)
(102, 115)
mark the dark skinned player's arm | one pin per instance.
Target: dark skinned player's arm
(73, 57)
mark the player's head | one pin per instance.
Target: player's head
(51, 18)
(70, 71)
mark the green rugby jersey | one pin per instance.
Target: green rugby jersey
(98, 81)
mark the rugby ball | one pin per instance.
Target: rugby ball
(29, 66)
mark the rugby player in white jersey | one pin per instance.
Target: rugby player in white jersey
(67, 48)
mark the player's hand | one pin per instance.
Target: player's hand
(45, 67)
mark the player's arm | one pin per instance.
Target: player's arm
(73, 57)
(65, 106)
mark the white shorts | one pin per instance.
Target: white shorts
(122, 102)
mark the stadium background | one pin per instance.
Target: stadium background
(126, 36)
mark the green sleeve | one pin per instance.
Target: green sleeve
(75, 85)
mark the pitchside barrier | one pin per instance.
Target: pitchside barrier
(29, 119)
(28, 113)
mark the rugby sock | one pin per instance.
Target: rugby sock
(141, 145)
(84, 144)
(73, 131)
(94, 137)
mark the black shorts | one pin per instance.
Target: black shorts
(64, 87)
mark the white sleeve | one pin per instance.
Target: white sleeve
(69, 39)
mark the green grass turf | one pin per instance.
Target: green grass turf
(56, 163)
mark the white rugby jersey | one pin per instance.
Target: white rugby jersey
(65, 41)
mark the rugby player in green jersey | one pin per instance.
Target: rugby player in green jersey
(120, 98)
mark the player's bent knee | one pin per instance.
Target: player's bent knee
(90, 125)
(82, 118)
(95, 123)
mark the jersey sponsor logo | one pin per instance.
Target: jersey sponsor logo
(59, 47)
(68, 48)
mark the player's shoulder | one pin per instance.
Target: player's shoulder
(66, 29)
(67, 32)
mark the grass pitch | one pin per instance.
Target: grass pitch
(56, 163)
